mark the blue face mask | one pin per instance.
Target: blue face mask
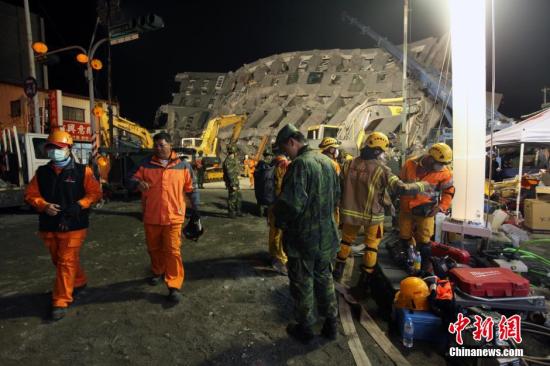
(57, 155)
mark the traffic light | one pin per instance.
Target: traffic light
(137, 25)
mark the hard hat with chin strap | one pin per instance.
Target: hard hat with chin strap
(377, 140)
(441, 153)
(328, 142)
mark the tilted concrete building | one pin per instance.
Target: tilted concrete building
(305, 88)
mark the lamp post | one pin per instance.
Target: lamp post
(85, 57)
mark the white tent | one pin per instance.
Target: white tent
(534, 130)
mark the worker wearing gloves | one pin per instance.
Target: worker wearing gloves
(164, 180)
(367, 183)
(275, 235)
(305, 212)
(419, 210)
(231, 171)
(62, 192)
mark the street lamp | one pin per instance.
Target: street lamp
(84, 57)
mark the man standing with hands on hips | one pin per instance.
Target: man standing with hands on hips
(164, 180)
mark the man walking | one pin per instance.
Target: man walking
(163, 180)
(305, 213)
(62, 192)
(231, 171)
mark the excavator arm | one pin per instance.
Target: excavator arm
(210, 134)
(134, 129)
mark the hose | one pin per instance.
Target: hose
(541, 327)
(536, 332)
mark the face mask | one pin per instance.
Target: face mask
(336, 153)
(57, 155)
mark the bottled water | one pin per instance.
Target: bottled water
(410, 259)
(408, 333)
(417, 262)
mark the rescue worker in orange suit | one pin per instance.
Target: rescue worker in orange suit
(416, 215)
(329, 147)
(62, 191)
(164, 180)
(276, 250)
(249, 167)
(367, 183)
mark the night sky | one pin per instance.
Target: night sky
(221, 36)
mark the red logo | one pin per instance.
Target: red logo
(508, 328)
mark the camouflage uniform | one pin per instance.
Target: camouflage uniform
(231, 171)
(305, 213)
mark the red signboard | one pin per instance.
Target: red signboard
(79, 131)
(53, 108)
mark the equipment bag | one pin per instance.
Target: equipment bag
(264, 183)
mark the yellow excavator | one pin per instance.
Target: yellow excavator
(135, 134)
(208, 143)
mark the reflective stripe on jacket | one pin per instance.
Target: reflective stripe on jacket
(367, 184)
(442, 180)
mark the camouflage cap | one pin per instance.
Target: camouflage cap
(285, 133)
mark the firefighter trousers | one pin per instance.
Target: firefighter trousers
(164, 247)
(421, 228)
(275, 239)
(64, 250)
(373, 236)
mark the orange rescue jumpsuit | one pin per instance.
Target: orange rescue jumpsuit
(250, 167)
(276, 235)
(164, 213)
(65, 247)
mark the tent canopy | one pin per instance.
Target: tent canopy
(533, 130)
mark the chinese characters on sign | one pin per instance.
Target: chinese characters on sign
(508, 328)
(79, 131)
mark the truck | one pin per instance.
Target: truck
(20, 156)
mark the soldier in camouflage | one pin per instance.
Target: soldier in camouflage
(231, 171)
(305, 212)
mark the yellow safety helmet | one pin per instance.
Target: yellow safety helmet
(441, 153)
(377, 140)
(328, 142)
(413, 294)
(60, 139)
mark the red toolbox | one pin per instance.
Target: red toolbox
(459, 255)
(490, 282)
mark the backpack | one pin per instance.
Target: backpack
(264, 183)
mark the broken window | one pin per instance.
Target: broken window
(219, 82)
(205, 84)
(356, 84)
(292, 78)
(303, 64)
(315, 77)
(323, 65)
(191, 84)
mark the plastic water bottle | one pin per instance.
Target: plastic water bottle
(417, 262)
(410, 259)
(439, 218)
(408, 333)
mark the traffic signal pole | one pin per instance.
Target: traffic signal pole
(36, 114)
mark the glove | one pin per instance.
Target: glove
(63, 223)
(73, 210)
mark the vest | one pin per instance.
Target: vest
(63, 189)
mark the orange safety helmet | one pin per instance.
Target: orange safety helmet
(413, 294)
(60, 139)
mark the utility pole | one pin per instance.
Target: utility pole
(405, 112)
(36, 118)
(544, 91)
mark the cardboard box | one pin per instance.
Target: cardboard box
(543, 193)
(537, 214)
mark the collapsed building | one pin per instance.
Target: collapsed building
(310, 88)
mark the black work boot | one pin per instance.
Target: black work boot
(174, 295)
(330, 329)
(300, 332)
(361, 289)
(155, 280)
(58, 313)
(338, 271)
